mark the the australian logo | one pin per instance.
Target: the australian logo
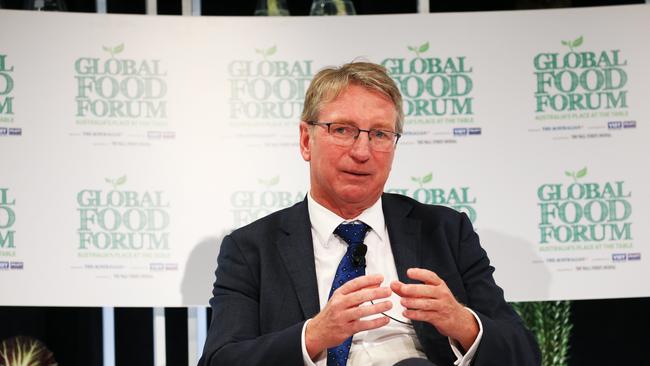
(6, 87)
(581, 211)
(250, 205)
(122, 220)
(7, 221)
(460, 199)
(267, 88)
(119, 89)
(433, 86)
(580, 80)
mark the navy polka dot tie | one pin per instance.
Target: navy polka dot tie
(353, 234)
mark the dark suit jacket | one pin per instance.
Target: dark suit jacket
(266, 287)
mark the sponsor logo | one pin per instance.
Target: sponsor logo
(462, 131)
(7, 220)
(629, 124)
(120, 91)
(249, 205)
(123, 220)
(614, 125)
(432, 86)
(580, 81)
(584, 212)
(459, 198)
(6, 88)
(267, 89)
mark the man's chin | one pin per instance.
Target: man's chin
(358, 196)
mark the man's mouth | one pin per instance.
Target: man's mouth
(356, 173)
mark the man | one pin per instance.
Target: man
(294, 288)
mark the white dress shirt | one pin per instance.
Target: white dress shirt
(388, 344)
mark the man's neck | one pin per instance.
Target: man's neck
(346, 211)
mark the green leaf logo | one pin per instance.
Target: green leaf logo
(576, 175)
(116, 182)
(573, 44)
(267, 52)
(419, 49)
(422, 180)
(114, 50)
(269, 182)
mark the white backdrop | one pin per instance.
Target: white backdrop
(131, 145)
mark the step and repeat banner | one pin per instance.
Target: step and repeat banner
(131, 145)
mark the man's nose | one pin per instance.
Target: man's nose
(360, 149)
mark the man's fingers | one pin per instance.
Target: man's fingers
(420, 315)
(420, 304)
(365, 295)
(361, 325)
(424, 275)
(408, 290)
(368, 310)
(359, 283)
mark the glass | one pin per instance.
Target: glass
(272, 8)
(344, 134)
(332, 7)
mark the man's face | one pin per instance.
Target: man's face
(348, 180)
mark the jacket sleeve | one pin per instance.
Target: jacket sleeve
(234, 337)
(505, 341)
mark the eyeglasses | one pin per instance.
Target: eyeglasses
(345, 135)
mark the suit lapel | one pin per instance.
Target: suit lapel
(296, 249)
(404, 233)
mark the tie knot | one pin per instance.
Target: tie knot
(352, 233)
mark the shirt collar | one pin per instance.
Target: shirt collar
(324, 221)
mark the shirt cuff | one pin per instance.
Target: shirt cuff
(306, 360)
(466, 359)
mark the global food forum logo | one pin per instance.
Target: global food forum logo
(250, 205)
(7, 221)
(119, 220)
(120, 91)
(266, 88)
(579, 80)
(459, 198)
(6, 87)
(584, 214)
(433, 86)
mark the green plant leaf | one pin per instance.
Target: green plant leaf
(411, 48)
(109, 181)
(271, 51)
(415, 179)
(119, 48)
(273, 181)
(121, 180)
(578, 41)
(257, 50)
(427, 178)
(581, 173)
(568, 174)
(424, 47)
(565, 43)
(107, 49)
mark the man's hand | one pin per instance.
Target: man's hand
(433, 302)
(341, 317)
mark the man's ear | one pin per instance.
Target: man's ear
(305, 141)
